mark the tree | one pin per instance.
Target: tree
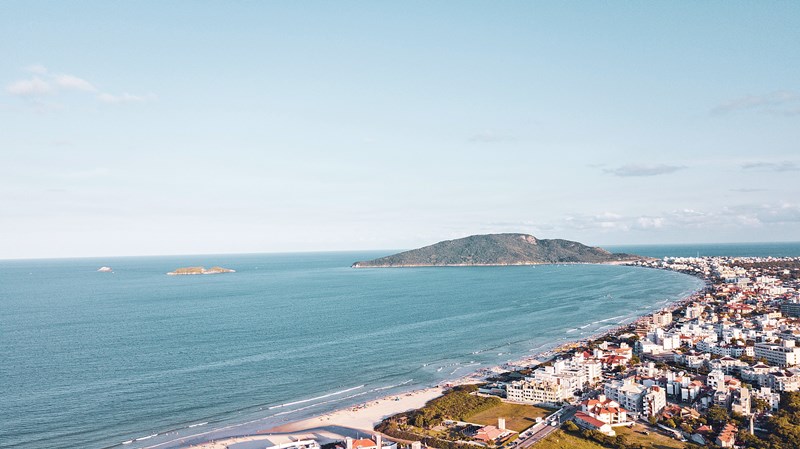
(635, 360)
(570, 426)
(653, 420)
(717, 415)
(759, 405)
(419, 421)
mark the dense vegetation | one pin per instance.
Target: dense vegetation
(457, 404)
(498, 249)
(616, 442)
(784, 427)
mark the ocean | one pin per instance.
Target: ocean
(92, 360)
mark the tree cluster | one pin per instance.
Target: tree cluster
(457, 404)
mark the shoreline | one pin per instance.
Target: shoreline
(510, 264)
(362, 417)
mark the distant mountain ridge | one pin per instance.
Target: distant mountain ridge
(498, 249)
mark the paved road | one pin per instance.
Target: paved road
(542, 430)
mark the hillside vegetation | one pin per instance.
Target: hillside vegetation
(498, 249)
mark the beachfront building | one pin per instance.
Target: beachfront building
(662, 319)
(784, 354)
(693, 312)
(537, 391)
(558, 382)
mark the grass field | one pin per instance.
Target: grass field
(518, 416)
(655, 440)
(561, 440)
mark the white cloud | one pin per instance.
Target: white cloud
(490, 137)
(89, 173)
(45, 83)
(650, 222)
(126, 98)
(30, 87)
(742, 216)
(37, 69)
(772, 166)
(643, 170)
(73, 83)
(781, 102)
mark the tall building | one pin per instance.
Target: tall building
(636, 398)
(784, 355)
(662, 319)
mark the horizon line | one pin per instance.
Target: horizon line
(2, 259)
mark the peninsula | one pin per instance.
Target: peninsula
(498, 249)
(200, 270)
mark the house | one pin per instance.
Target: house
(366, 443)
(727, 436)
(604, 409)
(490, 434)
(586, 421)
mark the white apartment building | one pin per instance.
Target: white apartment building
(533, 391)
(662, 319)
(784, 355)
(636, 398)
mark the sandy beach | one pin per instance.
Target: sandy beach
(332, 426)
(360, 419)
(364, 417)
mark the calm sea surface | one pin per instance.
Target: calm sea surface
(90, 360)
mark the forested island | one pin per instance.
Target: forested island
(498, 249)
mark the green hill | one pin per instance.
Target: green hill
(498, 249)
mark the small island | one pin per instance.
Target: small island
(199, 270)
(499, 249)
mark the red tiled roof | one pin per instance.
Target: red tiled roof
(489, 433)
(363, 442)
(589, 419)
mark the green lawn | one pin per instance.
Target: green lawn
(518, 416)
(561, 440)
(655, 440)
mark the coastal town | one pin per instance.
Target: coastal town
(720, 368)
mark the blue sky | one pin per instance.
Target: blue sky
(210, 127)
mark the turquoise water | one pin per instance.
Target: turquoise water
(786, 249)
(93, 359)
